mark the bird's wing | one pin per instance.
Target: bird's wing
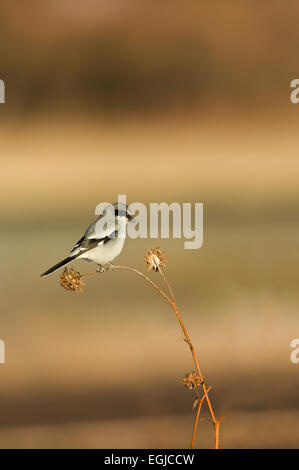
(85, 244)
(95, 235)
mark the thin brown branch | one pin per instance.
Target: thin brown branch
(188, 340)
(88, 274)
(167, 283)
(217, 430)
(172, 303)
(197, 417)
(113, 267)
(216, 422)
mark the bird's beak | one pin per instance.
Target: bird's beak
(131, 219)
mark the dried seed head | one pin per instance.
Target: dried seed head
(192, 380)
(71, 280)
(154, 259)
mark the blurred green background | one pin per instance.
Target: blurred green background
(161, 102)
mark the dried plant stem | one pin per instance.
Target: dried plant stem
(88, 274)
(216, 423)
(113, 267)
(172, 303)
(167, 283)
(200, 402)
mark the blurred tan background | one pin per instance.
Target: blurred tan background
(161, 102)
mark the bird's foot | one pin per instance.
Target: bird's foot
(109, 267)
(106, 268)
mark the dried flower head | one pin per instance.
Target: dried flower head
(71, 280)
(192, 380)
(154, 259)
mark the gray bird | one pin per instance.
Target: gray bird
(98, 244)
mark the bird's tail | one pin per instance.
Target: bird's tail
(59, 265)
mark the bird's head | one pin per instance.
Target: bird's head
(122, 212)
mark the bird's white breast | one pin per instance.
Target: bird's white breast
(105, 253)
